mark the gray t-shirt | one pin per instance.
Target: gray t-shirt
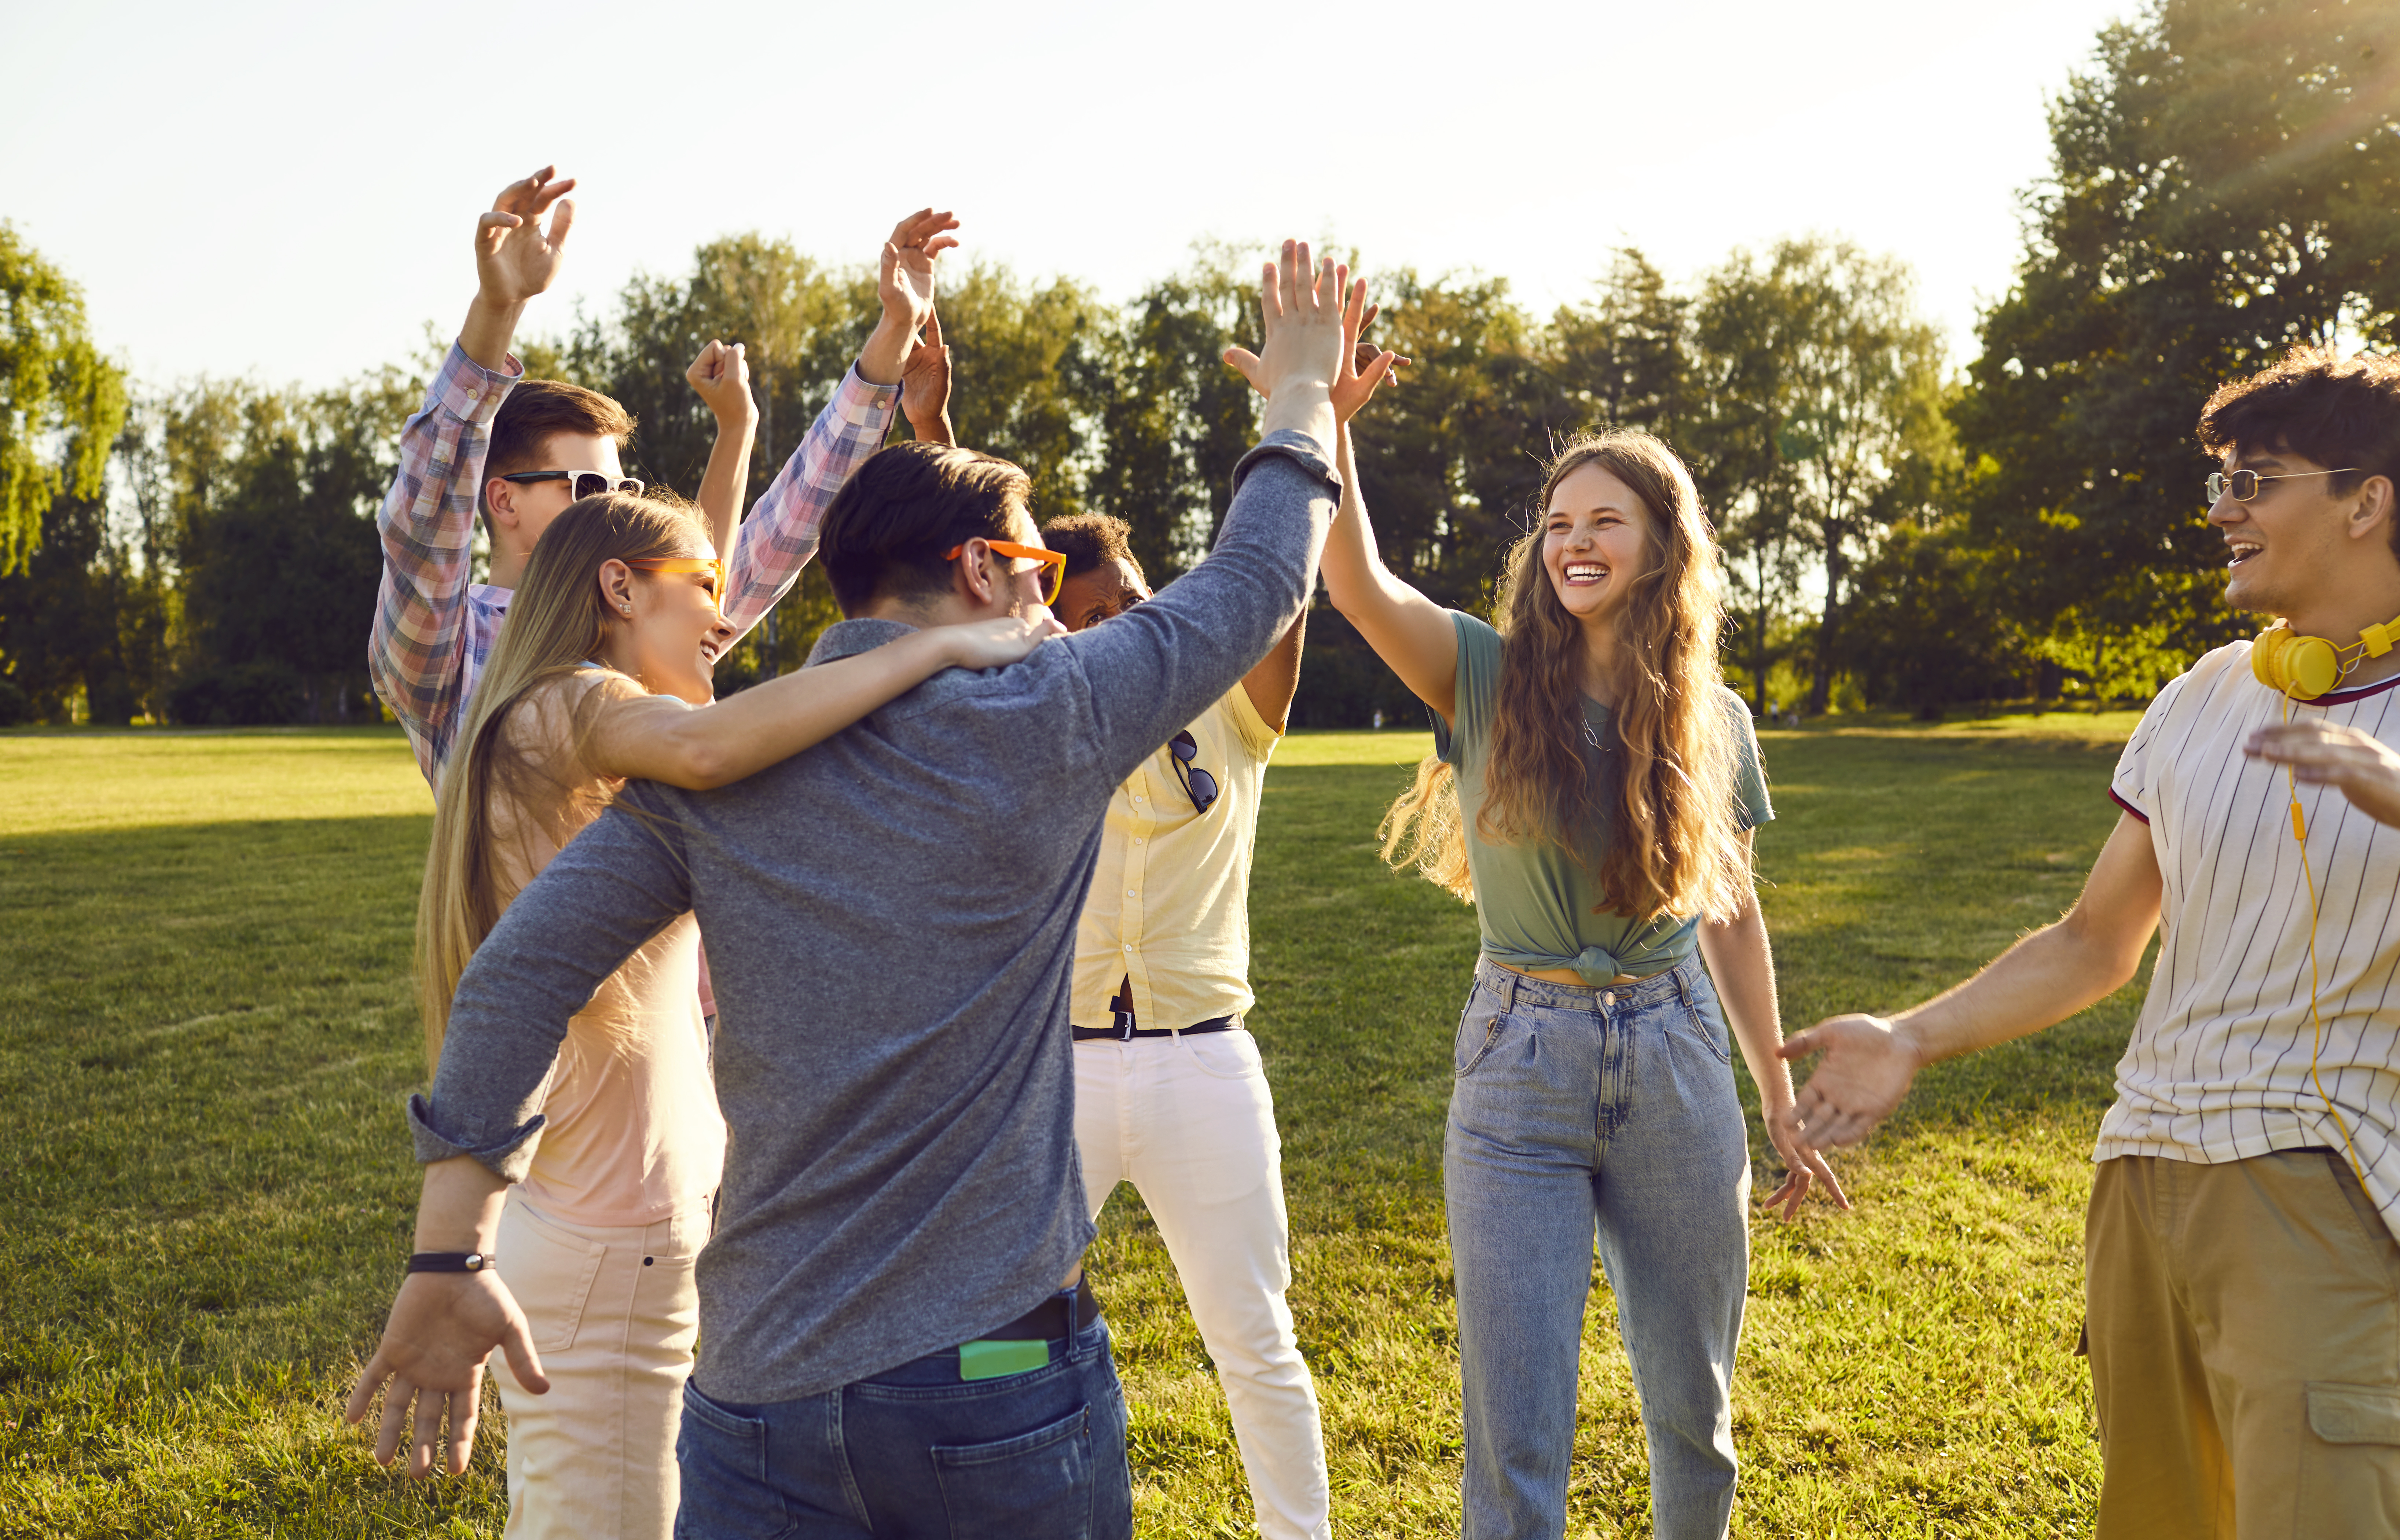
(891, 917)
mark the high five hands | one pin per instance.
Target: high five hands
(1364, 366)
(904, 284)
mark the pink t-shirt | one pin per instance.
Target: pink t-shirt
(632, 1132)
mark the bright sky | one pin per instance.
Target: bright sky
(287, 190)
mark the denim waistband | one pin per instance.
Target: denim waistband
(1674, 984)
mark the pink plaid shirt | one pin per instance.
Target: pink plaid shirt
(433, 628)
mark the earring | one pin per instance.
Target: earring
(627, 608)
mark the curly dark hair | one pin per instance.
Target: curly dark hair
(2340, 413)
(1089, 541)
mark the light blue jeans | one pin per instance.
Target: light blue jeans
(1614, 1110)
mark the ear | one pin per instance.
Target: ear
(970, 578)
(499, 502)
(616, 582)
(2375, 510)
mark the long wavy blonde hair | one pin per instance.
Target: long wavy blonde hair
(557, 622)
(1674, 844)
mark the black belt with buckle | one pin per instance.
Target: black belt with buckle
(1125, 1032)
(1047, 1321)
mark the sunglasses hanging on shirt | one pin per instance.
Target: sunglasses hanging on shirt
(1198, 784)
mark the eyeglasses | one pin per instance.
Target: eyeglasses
(1054, 560)
(688, 564)
(2243, 485)
(1198, 784)
(579, 484)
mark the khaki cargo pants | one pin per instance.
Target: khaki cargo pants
(2244, 1322)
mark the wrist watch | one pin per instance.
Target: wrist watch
(451, 1262)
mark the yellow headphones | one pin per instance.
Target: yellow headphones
(2305, 667)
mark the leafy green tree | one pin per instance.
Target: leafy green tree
(61, 403)
(1824, 409)
(2224, 183)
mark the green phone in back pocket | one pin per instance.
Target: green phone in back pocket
(987, 1360)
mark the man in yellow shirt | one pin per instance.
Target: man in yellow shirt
(1170, 1093)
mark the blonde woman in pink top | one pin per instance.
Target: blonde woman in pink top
(601, 675)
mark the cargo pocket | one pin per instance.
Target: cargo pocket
(1036, 1483)
(549, 1270)
(2355, 1414)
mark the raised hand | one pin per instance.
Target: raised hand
(442, 1327)
(905, 286)
(1868, 1066)
(925, 386)
(2322, 754)
(721, 377)
(515, 260)
(1365, 367)
(1301, 304)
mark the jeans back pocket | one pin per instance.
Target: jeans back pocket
(1040, 1482)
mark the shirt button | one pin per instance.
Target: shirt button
(1128, 892)
(1136, 840)
(1137, 796)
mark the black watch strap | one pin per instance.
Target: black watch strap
(451, 1262)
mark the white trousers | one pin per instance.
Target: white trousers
(615, 1318)
(1190, 1124)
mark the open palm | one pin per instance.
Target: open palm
(515, 259)
(906, 285)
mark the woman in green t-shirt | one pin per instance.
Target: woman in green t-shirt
(1593, 793)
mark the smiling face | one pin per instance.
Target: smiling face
(2288, 543)
(673, 638)
(1595, 541)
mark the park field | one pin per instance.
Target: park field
(206, 1033)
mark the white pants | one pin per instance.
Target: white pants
(1190, 1124)
(615, 1318)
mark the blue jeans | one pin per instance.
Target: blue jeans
(915, 1452)
(1576, 1108)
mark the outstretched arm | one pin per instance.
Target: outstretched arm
(1412, 633)
(1272, 685)
(721, 378)
(659, 738)
(416, 652)
(780, 535)
(2040, 981)
(612, 889)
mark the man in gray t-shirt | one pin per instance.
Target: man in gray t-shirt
(890, 1309)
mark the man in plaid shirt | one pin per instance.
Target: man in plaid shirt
(433, 628)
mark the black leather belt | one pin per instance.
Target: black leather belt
(1125, 1032)
(1047, 1321)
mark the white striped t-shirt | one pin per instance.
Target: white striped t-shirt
(2218, 1066)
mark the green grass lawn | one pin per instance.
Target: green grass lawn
(206, 1033)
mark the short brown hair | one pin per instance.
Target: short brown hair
(536, 410)
(1090, 540)
(2343, 415)
(890, 523)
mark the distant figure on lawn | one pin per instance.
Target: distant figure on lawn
(2242, 1291)
(1593, 789)
(895, 1327)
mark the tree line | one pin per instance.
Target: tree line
(2225, 182)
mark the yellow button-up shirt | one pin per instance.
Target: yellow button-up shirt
(1170, 900)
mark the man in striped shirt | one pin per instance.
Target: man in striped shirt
(433, 627)
(2243, 1289)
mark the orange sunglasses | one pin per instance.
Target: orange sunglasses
(1054, 560)
(686, 564)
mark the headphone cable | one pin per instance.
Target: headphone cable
(2316, 1024)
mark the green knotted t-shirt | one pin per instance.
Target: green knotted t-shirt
(1536, 902)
